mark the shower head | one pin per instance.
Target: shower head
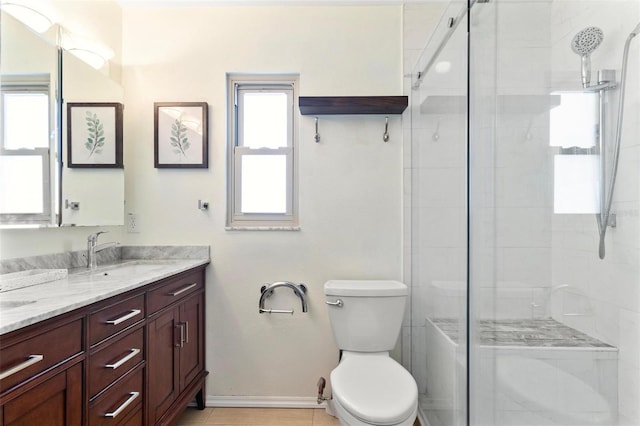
(587, 40)
(584, 43)
(636, 30)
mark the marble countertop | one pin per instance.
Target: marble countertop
(29, 305)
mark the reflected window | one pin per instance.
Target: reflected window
(25, 159)
(574, 122)
(576, 184)
(574, 128)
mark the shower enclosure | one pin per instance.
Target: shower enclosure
(515, 317)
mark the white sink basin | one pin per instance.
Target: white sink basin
(126, 270)
(30, 277)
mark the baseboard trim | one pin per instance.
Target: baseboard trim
(264, 402)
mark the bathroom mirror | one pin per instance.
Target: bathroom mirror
(90, 196)
(29, 140)
(37, 188)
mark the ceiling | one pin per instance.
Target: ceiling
(176, 3)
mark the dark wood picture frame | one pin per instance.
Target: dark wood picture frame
(94, 135)
(180, 135)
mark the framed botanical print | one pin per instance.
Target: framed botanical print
(94, 135)
(180, 135)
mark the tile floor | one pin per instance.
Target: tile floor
(256, 417)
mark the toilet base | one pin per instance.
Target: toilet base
(346, 419)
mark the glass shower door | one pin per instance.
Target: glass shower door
(439, 239)
(554, 328)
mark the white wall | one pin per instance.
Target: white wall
(350, 183)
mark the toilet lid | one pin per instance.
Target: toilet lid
(374, 389)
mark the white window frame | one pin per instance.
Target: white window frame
(237, 85)
(36, 83)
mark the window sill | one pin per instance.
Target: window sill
(262, 228)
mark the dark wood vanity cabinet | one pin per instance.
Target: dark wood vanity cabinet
(133, 359)
(176, 347)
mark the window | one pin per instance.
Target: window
(262, 150)
(25, 147)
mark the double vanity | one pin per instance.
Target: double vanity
(121, 344)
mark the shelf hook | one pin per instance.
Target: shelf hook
(317, 136)
(385, 135)
(203, 205)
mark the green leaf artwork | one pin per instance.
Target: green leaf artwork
(179, 140)
(95, 128)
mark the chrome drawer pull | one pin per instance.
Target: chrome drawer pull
(117, 364)
(181, 344)
(33, 359)
(123, 318)
(182, 290)
(124, 405)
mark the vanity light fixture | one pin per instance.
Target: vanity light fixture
(29, 16)
(94, 59)
(90, 51)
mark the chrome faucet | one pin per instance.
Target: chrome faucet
(93, 247)
(300, 290)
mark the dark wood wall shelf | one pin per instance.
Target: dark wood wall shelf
(338, 105)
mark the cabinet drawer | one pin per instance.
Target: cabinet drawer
(112, 319)
(175, 290)
(120, 356)
(26, 359)
(134, 420)
(117, 404)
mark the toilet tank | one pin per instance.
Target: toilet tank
(371, 314)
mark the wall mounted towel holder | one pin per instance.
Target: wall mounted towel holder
(341, 105)
(267, 290)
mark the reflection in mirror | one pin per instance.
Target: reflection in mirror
(90, 196)
(29, 144)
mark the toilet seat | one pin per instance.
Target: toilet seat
(374, 388)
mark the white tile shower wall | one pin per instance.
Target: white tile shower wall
(520, 164)
(604, 292)
(418, 22)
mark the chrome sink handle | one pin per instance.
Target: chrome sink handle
(93, 247)
(338, 303)
(94, 237)
(92, 242)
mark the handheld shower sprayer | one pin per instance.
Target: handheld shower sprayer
(584, 43)
(604, 217)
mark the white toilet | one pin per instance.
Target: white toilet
(368, 386)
